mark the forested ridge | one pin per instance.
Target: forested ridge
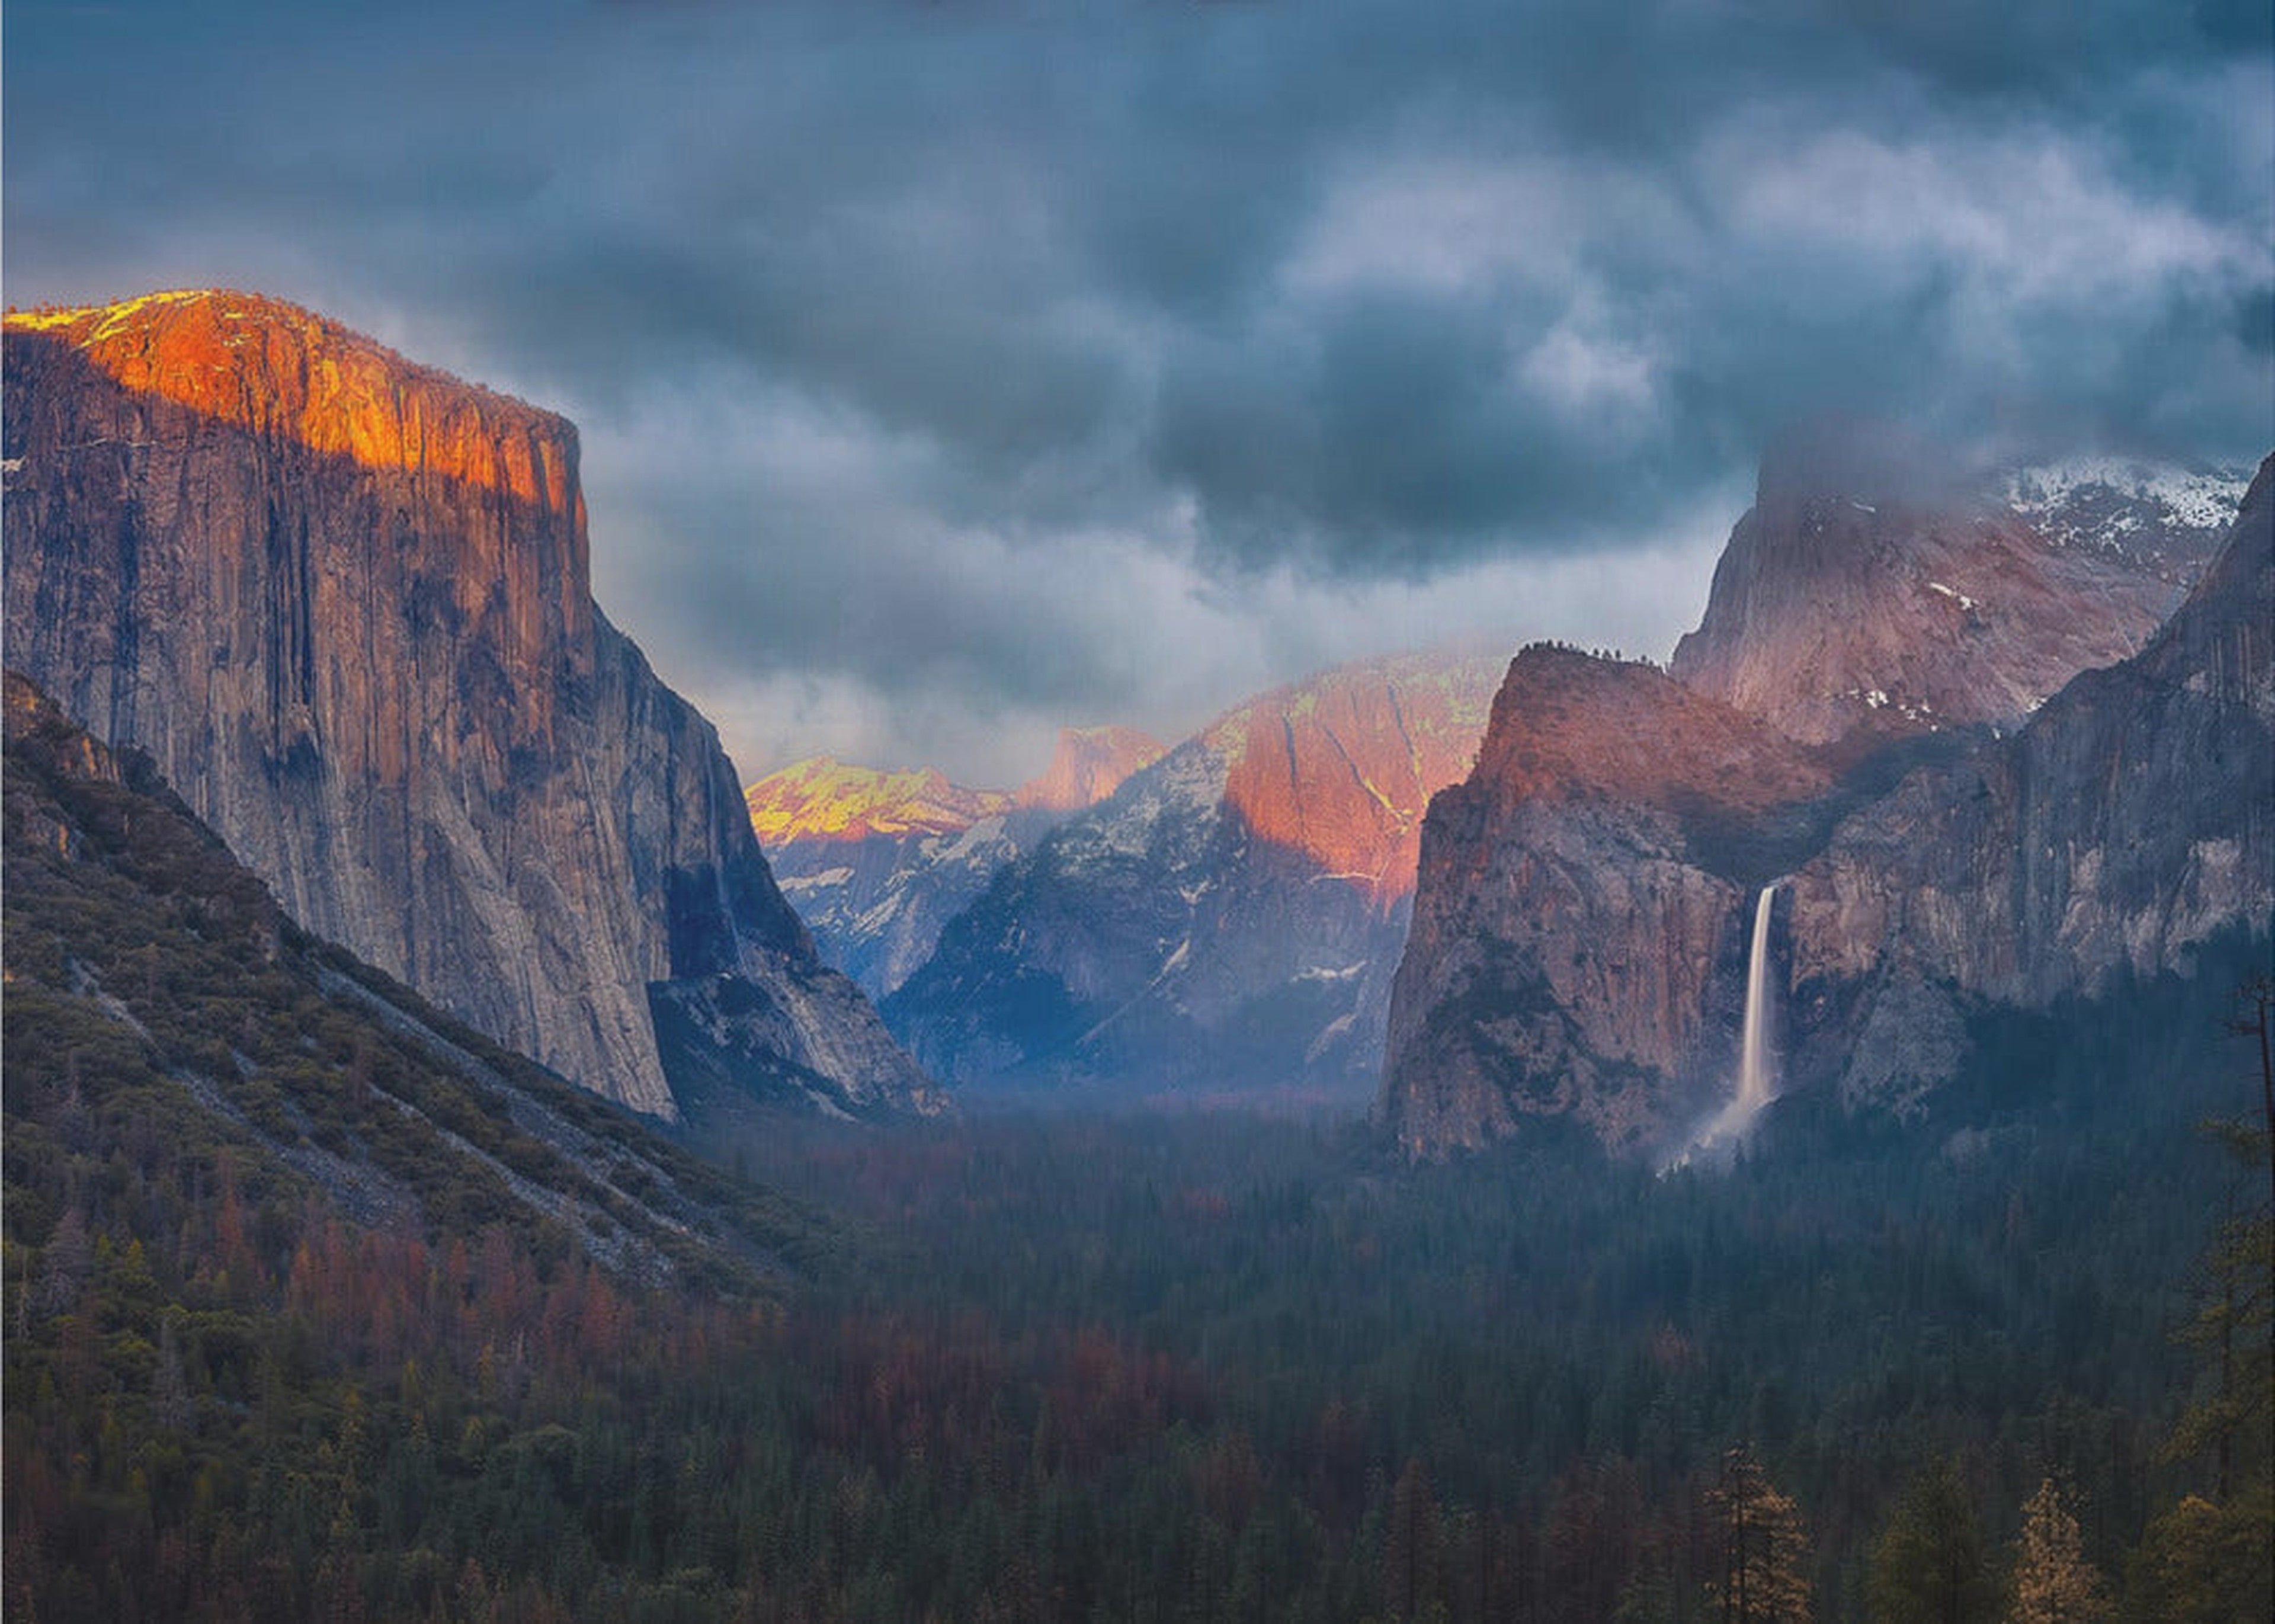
(315, 1312)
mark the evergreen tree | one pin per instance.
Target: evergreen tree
(1409, 1557)
(1765, 1547)
(1929, 1565)
(2054, 1583)
(2209, 1558)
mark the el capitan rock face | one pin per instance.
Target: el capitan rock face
(1870, 594)
(343, 602)
(1229, 916)
(1578, 946)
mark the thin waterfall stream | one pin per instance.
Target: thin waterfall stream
(1754, 1036)
(1756, 1060)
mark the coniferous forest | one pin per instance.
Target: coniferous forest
(291, 1358)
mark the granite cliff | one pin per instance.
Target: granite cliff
(1872, 591)
(1580, 912)
(156, 990)
(1981, 775)
(2129, 822)
(343, 602)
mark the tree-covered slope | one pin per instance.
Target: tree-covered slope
(294, 1264)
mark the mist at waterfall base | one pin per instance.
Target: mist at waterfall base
(1717, 1141)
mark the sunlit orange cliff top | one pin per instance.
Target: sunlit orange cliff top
(274, 368)
(822, 799)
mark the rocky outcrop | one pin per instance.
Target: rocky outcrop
(1872, 592)
(1580, 923)
(1231, 916)
(1579, 936)
(343, 602)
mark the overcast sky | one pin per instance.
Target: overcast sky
(949, 372)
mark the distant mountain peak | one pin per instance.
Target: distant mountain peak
(877, 861)
(825, 799)
(1231, 916)
(821, 798)
(1088, 765)
(1340, 765)
(2117, 503)
(1872, 594)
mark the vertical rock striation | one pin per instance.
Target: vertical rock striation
(343, 602)
(2129, 822)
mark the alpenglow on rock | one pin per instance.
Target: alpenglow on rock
(343, 602)
(1231, 916)
(1872, 591)
(878, 862)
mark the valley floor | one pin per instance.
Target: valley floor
(1210, 1364)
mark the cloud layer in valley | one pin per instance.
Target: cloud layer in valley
(949, 372)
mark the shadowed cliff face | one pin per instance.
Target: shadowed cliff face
(2129, 822)
(343, 602)
(1582, 903)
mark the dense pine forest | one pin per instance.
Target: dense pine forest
(313, 1313)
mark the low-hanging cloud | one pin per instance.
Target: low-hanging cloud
(949, 371)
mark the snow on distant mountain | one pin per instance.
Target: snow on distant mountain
(2114, 502)
(1231, 917)
(1871, 593)
(877, 861)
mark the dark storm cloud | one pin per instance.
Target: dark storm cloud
(1337, 293)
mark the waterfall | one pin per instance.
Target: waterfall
(1754, 1036)
(1719, 1137)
